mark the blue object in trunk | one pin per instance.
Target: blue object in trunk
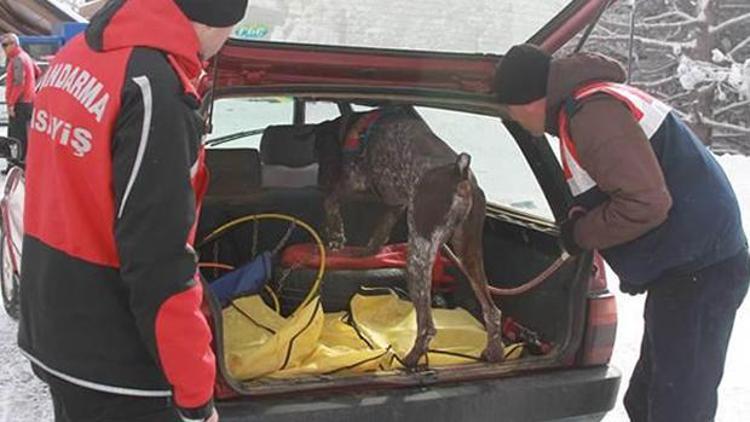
(246, 280)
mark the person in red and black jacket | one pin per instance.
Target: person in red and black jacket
(110, 305)
(20, 80)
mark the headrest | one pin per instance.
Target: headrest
(233, 171)
(288, 145)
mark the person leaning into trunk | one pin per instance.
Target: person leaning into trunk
(111, 300)
(653, 200)
(20, 81)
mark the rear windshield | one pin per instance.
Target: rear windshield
(497, 161)
(469, 26)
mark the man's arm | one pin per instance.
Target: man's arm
(153, 152)
(14, 84)
(615, 152)
(15, 81)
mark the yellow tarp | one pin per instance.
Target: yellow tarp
(380, 330)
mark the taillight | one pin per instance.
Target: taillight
(601, 320)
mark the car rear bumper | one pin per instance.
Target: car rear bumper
(564, 395)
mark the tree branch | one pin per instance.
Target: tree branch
(647, 41)
(735, 145)
(659, 70)
(676, 13)
(739, 47)
(705, 5)
(652, 84)
(729, 23)
(731, 107)
(725, 126)
(652, 26)
(680, 96)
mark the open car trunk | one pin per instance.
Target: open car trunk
(514, 251)
(554, 318)
(517, 247)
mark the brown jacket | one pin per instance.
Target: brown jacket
(615, 152)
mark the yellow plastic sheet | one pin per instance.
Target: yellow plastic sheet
(379, 332)
(387, 321)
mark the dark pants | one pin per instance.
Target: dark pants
(77, 404)
(18, 126)
(688, 322)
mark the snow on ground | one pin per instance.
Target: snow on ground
(24, 399)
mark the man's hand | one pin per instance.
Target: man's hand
(567, 231)
(11, 112)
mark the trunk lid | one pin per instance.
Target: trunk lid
(365, 63)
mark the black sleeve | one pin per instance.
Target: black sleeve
(155, 146)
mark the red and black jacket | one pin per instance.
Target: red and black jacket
(110, 299)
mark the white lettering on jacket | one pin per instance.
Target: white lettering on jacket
(80, 84)
(61, 132)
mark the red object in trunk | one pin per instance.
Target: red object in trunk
(349, 258)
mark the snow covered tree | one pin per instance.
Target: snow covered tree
(694, 55)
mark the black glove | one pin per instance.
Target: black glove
(567, 232)
(631, 289)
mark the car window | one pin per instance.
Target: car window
(437, 25)
(320, 111)
(235, 115)
(501, 169)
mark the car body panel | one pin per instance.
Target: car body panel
(552, 396)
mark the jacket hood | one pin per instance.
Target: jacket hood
(157, 24)
(568, 74)
(14, 52)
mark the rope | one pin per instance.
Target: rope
(515, 291)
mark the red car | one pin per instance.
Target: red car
(291, 87)
(268, 97)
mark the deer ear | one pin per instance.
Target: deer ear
(462, 164)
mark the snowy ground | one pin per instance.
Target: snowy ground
(24, 399)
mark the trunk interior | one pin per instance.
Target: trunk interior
(517, 248)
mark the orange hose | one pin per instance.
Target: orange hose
(497, 291)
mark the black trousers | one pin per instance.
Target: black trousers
(18, 126)
(77, 404)
(688, 323)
